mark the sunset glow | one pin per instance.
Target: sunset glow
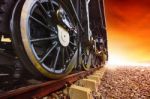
(128, 27)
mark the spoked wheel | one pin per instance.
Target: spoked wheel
(48, 35)
(86, 59)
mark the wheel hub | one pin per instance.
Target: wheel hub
(63, 36)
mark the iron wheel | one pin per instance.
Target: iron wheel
(48, 35)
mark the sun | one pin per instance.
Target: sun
(116, 60)
(120, 61)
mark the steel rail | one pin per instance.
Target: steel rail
(40, 90)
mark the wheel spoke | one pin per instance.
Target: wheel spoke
(42, 39)
(50, 50)
(42, 24)
(42, 8)
(52, 6)
(39, 13)
(73, 44)
(63, 57)
(70, 49)
(39, 22)
(56, 59)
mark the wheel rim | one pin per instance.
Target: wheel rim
(49, 37)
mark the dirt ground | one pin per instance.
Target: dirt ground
(126, 83)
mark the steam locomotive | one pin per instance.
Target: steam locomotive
(51, 38)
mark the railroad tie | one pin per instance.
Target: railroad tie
(89, 85)
(78, 92)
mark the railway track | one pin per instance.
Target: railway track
(39, 91)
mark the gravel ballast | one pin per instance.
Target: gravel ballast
(126, 83)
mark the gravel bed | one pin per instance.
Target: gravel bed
(126, 83)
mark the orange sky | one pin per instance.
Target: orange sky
(128, 26)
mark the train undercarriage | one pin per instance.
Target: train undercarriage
(51, 38)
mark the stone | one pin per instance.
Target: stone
(78, 92)
(88, 83)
